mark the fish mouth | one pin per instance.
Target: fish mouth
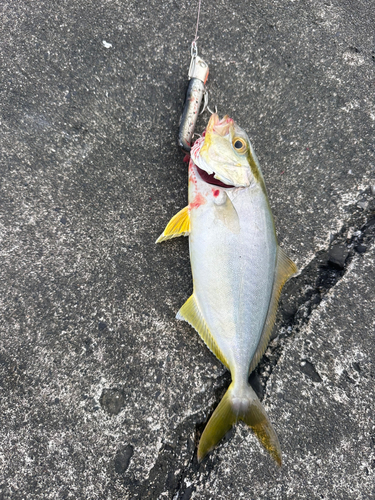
(221, 127)
(210, 178)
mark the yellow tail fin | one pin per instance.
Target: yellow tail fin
(236, 406)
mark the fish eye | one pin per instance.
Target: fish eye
(239, 145)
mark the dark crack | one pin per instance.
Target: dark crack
(177, 461)
(175, 457)
(304, 293)
(176, 469)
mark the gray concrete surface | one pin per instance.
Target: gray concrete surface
(103, 394)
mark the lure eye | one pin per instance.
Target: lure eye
(239, 145)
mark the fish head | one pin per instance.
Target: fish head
(225, 154)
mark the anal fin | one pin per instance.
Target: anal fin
(179, 225)
(191, 313)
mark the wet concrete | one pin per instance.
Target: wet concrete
(103, 393)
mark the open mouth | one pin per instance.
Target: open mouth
(210, 179)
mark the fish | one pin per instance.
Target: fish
(238, 271)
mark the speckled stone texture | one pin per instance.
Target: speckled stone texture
(103, 394)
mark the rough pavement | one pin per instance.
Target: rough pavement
(103, 393)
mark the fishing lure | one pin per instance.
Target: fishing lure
(198, 74)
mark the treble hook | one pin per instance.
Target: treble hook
(205, 101)
(212, 111)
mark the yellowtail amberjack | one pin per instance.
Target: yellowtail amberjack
(238, 271)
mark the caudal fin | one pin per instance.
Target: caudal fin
(233, 407)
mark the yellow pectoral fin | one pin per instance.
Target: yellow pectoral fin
(179, 225)
(191, 313)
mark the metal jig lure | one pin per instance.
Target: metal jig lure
(198, 74)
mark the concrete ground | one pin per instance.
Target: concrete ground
(103, 393)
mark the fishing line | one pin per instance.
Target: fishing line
(196, 29)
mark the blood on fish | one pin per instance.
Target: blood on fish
(197, 145)
(192, 176)
(215, 192)
(197, 201)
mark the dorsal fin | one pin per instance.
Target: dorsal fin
(191, 313)
(285, 268)
(179, 225)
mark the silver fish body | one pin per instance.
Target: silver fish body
(233, 269)
(238, 271)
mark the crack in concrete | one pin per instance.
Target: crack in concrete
(177, 467)
(303, 294)
(177, 459)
